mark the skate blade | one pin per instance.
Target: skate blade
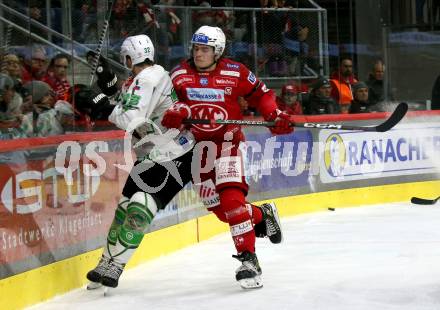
(93, 285)
(251, 283)
(108, 291)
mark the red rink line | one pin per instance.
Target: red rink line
(32, 143)
(352, 117)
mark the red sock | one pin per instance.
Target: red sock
(232, 204)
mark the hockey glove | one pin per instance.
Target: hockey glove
(96, 105)
(107, 79)
(174, 116)
(283, 122)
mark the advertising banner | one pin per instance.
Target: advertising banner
(408, 149)
(46, 216)
(278, 162)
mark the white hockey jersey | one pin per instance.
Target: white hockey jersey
(140, 106)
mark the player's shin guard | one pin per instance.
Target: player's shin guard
(232, 203)
(95, 275)
(141, 210)
(257, 220)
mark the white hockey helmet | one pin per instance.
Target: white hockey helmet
(211, 36)
(138, 48)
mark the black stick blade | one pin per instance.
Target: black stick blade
(423, 201)
(394, 119)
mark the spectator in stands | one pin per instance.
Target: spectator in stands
(10, 100)
(11, 66)
(376, 84)
(435, 97)
(35, 12)
(56, 76)
(36, 69)
(360, 103)
(288, 101)
(80, 100)
(270, 26)
(172, 22)
(341, 82)
(84, 20)
(44, 120)
(319, 100)
(295, 36)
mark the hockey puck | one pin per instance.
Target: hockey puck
(331, 209)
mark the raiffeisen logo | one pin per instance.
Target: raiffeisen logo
(206, 94)
(334, 155)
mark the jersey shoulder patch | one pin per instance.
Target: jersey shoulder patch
(231, 65)
(178, 72)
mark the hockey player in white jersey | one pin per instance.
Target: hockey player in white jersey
(138, 108)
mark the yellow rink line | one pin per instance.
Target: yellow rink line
(43, 283)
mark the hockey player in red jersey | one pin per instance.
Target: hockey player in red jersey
(207, 87)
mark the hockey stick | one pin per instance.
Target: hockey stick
(423, 201)
(394, 118)
(101, 41)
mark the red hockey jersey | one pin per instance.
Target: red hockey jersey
(213, 95)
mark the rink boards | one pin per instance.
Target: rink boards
(344, 170)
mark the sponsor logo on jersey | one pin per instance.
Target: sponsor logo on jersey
(251, 78)
(233, 66)
(230, 73)
(242, 228)
(228, 169)
(184, 79)
(208, 111)
(178, 72)
(228, 91)
(203, 81)
(224, 81)
(183, 140)
(208, 194)
(206, 94)
(264, 88)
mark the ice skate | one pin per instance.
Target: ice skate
(112, 274)
(95, 275)
(248, 274)
(272, 222)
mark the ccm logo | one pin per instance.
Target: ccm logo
(322, 126)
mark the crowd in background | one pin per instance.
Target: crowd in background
(35, 95)
(342, 93)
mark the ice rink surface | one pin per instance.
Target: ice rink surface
(374, 258)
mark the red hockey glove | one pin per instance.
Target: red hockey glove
(283, 122)
(174, 116)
